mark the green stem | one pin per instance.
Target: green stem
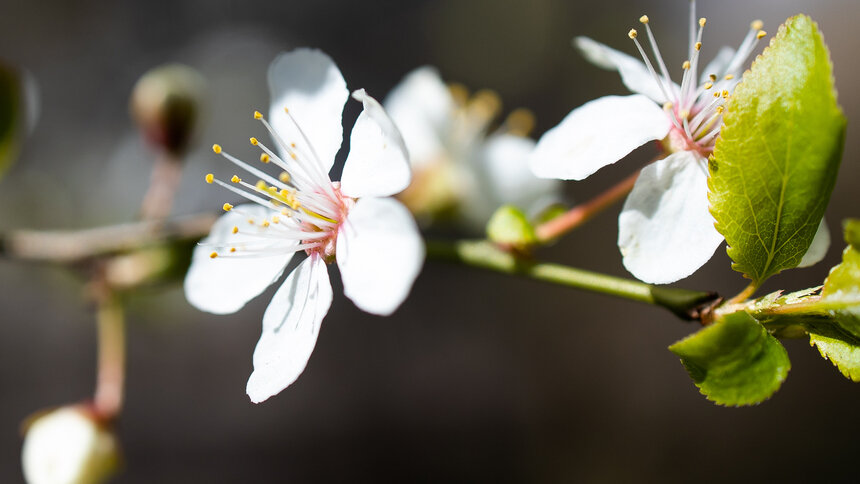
(744, 295)
(483, 254)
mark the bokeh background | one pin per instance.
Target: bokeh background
(477, 377)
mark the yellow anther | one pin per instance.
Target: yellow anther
(702, 21)
(756, 24)
(227, 207)
(684, 114)
(235, 179)
(293, 156)
(760, 34)
(698, 46)
(729, 77)
(720, 109)
(717, 94)
(251, 221)
(216, 148)
(286, 110)
(292, 145)
(725, 94)
(459, 93)
(686, 65)
(210, 178)
(643, 19)
(713, 77)
(232, 249)
(260, 185)
(258, 115)
(520, 122)
(235, 230)
(254, 141)
(264, 157)
(213, 255)
(265, 223)
(667, 106)
(284, 177)
(275, 219)
(632, 34)
(708, 85)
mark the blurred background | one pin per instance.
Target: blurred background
(477, 377)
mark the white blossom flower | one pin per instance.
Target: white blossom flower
(373, 238)
(665, 230)
(461, 166)
(68, 446)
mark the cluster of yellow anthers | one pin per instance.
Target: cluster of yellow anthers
(278, 194)
(691, 115)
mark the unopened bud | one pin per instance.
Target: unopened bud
(68, 446)
(166, 104)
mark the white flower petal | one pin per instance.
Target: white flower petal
(665, 231)
(718, 64)
(379, 253)
(597, 134)
(290, 328)
(634, 74)
(223, 285)
(504, 177)
(378, 163)
(309, 84)
(818, 248)
(421, 106)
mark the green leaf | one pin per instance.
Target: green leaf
(840, 299)
(734, 361)
(830, 315)
(510, 226)
(775, 163)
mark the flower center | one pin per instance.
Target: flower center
(696, 106)
(305, 208)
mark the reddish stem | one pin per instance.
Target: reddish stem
(581, 213)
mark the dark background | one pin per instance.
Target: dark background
(477, 377)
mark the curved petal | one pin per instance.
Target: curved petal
(718, 64)
(421, 106)
(223, 285)
(665, 231)
(597, 134)
(634, 74)
(504, 177)
(379, 253)
(290, 328)
(378, 163)
(309, 84)
(818, 248)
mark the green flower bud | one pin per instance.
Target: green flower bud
(166, 104)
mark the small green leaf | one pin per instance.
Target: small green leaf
(775, 163)
(844, 354)
(734, 361)
(510, 226)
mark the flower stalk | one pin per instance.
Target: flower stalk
(110, 380)
(583, 212)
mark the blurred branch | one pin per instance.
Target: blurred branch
(68, 246)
